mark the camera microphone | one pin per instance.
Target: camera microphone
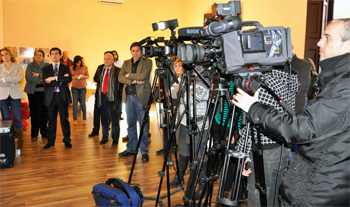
(190, 32)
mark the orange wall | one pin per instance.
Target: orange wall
(88, 28)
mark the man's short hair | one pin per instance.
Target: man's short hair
(345, 36)
(134, 44)
(56, 48)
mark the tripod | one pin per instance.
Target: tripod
(162, 74)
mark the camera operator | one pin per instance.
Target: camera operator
(275, 154)
(319, 174)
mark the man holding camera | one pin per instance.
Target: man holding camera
(135, 75)
(319, 174)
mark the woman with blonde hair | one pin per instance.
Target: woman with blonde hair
(10, 91)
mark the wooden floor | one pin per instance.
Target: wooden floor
(65, 177)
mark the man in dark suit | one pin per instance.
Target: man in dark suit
(57, 97)
(108, 97)
(135, 74)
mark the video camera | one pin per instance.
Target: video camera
(228, 44)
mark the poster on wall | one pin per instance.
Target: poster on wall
(24, 62)
(26, 52)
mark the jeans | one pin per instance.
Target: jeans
(15, 108)
(134, 109)
(79, 95)
(273, 170)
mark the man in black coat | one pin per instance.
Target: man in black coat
(319, 173)
(57, 97)
(108, 97)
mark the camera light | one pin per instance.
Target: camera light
(162, 25)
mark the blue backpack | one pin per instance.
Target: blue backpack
(116, 192)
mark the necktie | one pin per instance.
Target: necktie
(105, 82)
(55, 70)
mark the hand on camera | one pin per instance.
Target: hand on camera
(244, 100)
(246, 172)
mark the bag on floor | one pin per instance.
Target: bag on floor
(116, 192)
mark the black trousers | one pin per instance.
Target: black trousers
(97, 118)
(38, 114)
(58, 105)
(110, 115)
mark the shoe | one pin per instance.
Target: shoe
(75, 123)
(103, 141)
(121, 118)
(44, 136)
(125, 153)
(34, 138)
(48, 145)
(160, 152)
(92, 134)
(126, 138)
(145, 158)
(84, 122)
(115, 143)
(68, 145)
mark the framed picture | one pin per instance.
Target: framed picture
(26, 52)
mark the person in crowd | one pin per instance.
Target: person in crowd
(220, 131)
(311, 92)
(79, 74)
(65, 59)
(11, 75)
(117, 63)
(135, 75)
(109, 93)
(57, 97)
(185, 148)
(35, 90)
(319, 173)
(174, 88)
(303, 68)
(275, 153)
